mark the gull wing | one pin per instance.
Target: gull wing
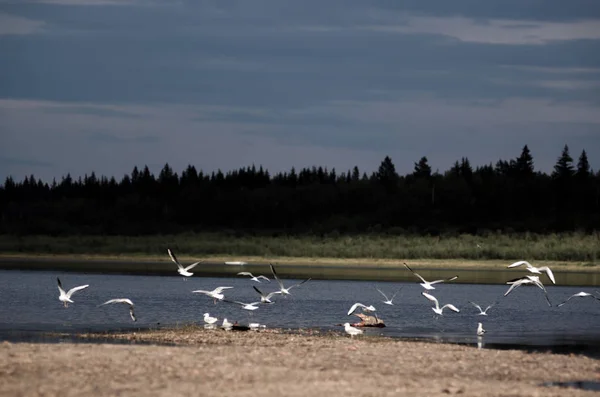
(441, 281)
(479, 307)
(451, 307)
(395, 293)
(519, 263)
(430, 297)
(299, 284)
(572, 296)
(218, 290)
(245, 274)
(263, 277)
(514, 285)
(119, 300)
(416, 274)
(174, 258)
(275, 276)
(354, 306)
(60, 288)
(273, 293)
(75, 289)
(193, 265)
(548, 272)
(381, 292)
(259, 292)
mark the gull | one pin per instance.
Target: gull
(226, 325)
(256, 326)
(437, 308)
(123, 300)
(266, 298)
(350, 330)
(238, 263)
(480, 330)
(209, 320)
(428, 285)
(216, 293)
(246, 306)
(65, 297)
(370, 308)
(282, 289)
(184, 271)
(253, 277)
(481, 311)
(527, 280)
(536, 270)
(579, 294)
(387, 301)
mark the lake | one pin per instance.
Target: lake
(30, 307)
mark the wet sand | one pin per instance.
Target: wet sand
(270, 363)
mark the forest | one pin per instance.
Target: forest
(509, 196)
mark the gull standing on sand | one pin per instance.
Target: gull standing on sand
(226, 325)
(365, 308)
(236, 263)
(437, 309)
(428, 285)
(184, 271)
(481, 311)
(352, 331)
(65, 297)
(536, 270)
(390, 300)
(123, 300)
(266, 298)
(282, 289)
(253, 277)
(480, 330)
(209, 320)
(579, 295)
(216, 293)
(527, 280)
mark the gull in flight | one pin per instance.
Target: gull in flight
(428, 285)
(580, 295)
(352, 331)
(65, 297)
(437, 309)
(388, 301)
(216, 293)
(536, 270)
(365, 308)
(246, 306)
(123, 300)
(282, 289)
(253, 277)
(209, 320)
(184, 271)
(528, 280)
(266, 298)
(480, 330)
(481, 311)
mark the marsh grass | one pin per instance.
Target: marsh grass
(566, 247)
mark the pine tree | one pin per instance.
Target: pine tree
(524, 163)
(564, 166)
(583, 166)
(422, 169)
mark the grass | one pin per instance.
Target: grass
(566, 247)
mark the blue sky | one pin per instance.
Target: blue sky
(105, 85)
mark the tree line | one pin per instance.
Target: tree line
(510, 196)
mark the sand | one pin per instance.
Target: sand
(270, 363)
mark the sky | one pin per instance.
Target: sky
(105, 85)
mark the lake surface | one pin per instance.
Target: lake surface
(30, 307)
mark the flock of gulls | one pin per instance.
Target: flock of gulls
(218, 295)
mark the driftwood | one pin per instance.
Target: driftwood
(368, 321)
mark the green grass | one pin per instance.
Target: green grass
(553, 247)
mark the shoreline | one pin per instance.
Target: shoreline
(206, 362)
(469, 271)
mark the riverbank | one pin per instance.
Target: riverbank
(217, 362)
(473, 272)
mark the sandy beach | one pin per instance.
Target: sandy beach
(191, 361)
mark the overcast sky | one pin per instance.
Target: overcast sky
(105, 85)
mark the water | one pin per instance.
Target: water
(30, 307)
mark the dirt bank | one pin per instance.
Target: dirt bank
(219, 363)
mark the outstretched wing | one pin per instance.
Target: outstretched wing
(174, 258)
(430, 297)
(299, 284)
(548, 272)
(514, 285)
(441, 281)
(519, 263)
(354, 306)
(245, 274)
(259, 291)
(119, 300)
(381, 292)
(416, 274)
(60, 288)
(193, 265)
(263, 277)
(451, 307)
(477, 306)
(275, 276)
(75, 289)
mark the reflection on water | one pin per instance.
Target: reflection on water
(30, 304)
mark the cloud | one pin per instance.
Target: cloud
(15, 25)
(495, 31)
